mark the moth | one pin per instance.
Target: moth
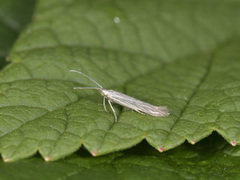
(125, 100)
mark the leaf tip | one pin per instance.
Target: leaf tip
(161, 149)
(6, 160)
(47, 158)
(234, 143)
(192, 142)
(94, 153)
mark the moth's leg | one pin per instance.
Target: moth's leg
(140, 112)
(113, 110)
(104, 104)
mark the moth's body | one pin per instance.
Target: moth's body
(133, 103)
(125, 100)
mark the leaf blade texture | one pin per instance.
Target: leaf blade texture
(164, 58)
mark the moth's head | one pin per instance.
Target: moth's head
(104, 92)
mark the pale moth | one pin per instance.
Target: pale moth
(125, 100)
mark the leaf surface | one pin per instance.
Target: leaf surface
(174, 56)
(206, 160)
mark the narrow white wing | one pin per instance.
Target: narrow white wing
(135, 104)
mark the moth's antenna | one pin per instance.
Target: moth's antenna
(86, 88)
(88, 78)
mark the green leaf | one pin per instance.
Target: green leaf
(174, 55)
(205, 160)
